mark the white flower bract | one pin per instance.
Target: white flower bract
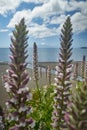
(13, 100)
(23, 108)
(32, 124)
(8, 87)
(25, 89)
(22, 124)
(29, 96)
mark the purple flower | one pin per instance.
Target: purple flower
(66, 117)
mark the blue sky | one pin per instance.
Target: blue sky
(44, 19)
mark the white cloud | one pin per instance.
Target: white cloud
(56, 9)
(74, 5)
(4, 30)
(58, 6)
(11, 5)
(18, 16)
(35, 1)
(79, 22)
(7, 5)
(47, 9)
(48, 6)
(58, 19)
(41, 31)
(43, 11)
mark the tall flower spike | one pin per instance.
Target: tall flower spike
(35, 68)
(17, 79)
(62, 80)
(35, 62)
(76, 116)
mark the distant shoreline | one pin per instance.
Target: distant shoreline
(39, 63)
(45, 54)
(83, 47)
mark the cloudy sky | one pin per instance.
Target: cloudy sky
(44, 19)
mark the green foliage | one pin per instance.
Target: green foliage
(42, 110)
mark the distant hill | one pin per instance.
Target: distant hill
(83, 47)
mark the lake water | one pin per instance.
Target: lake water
(45, 54)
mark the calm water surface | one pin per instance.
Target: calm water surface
(45, 54)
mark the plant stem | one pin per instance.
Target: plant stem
(38, 90)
